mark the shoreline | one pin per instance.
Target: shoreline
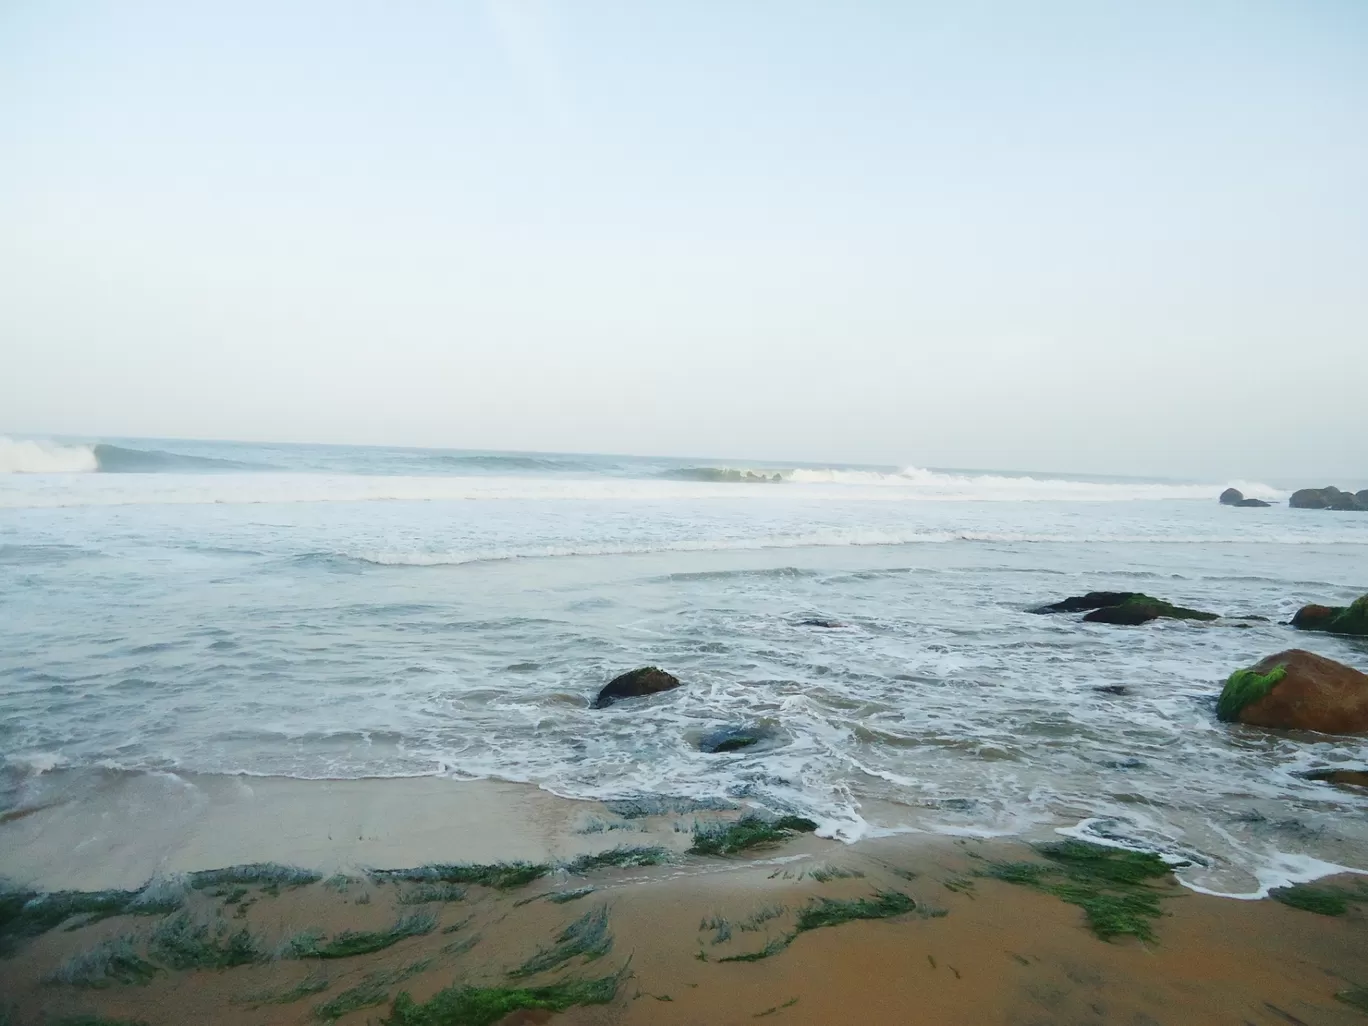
(85, 830)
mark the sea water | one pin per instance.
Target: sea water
(332, 611)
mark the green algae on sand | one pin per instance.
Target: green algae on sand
(1322, 899)
(482, 1006)
(747, 832)
(1110, 885)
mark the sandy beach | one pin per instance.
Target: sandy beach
(489, 889)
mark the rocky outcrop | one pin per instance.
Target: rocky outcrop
(1127, 608)
(1235, 497)
(647, 680)
(1297, 690)
(818, 621)
(1329, 497)
(1350, 619)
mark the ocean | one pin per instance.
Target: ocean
(191, 608)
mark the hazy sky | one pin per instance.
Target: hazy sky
(1127, 237)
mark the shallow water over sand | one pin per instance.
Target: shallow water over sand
(312, 622)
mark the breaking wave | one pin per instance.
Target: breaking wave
(19, 456)
(25, 457)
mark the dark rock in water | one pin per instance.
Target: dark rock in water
(1328, 497)
(1112, 689)
(648, 680)
(1297, 690)
(1314, 617)
(1127, 614)
(816, 621)
(1309, 498)
(1128, 608)
(1354, 778)
(1362, 496)
(731, 739)
(1235, 497)
(1350, 619)
(1092, 600)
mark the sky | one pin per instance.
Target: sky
(1094, 236)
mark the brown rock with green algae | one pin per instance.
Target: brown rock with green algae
(1297, 690)
(648, 680)
(1350, 619)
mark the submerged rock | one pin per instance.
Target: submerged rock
(1353, 778)
(1350, 619)
(817, 621)
(731, 739)
(647, 680)
(1253, 502)
(1297, 690)
(1128, 608)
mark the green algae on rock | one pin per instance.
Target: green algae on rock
(1243, 687)
(1127, 608)
(1350, 619)
(1298, 690)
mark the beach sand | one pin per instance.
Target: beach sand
(964, 947)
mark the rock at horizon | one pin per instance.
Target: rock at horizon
(1329, 497)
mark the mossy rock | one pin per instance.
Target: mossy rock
(1350, 619)
(1243, 687)
(1297, 690)
(1128, 608)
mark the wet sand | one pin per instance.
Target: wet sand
(86, 831)
(1000, 953)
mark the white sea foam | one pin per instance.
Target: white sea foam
(21, 456)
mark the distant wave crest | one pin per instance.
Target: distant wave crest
(725, 475)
